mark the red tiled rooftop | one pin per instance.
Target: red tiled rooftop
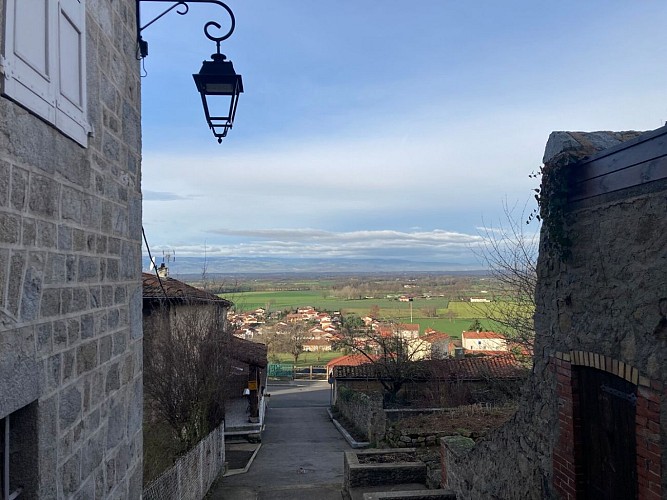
(176, 290)
(349, 360)
(434, 336)
(448, 369)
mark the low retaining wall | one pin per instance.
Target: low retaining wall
(364, 411)
(193, 474)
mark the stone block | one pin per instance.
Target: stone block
(120, 295)
(71, 204)
(70, 405)
(107, 296)
(16, 270)
(69, 365)
(101, 244)
(93, 453)
(120, 342)
(65, 242)
(87, 489)
(95, 297)
(43, 196)
(136, 405)
(117, 424)
(53, 372)
(4, 183)
(113, 319)
(19, 371)
(106, 225)
(136, 482)
(29, 232)
(89, 268)
(87, 326)
(4, 273)
(70, 268)
(113, 246)
(44, 339)
(113, 378)
(127, 369)
(32, 286)
(50, 304)
(46, 234)
(91, 242)
(56, 269)
(10, 228)
(105, 348)
(79, 238)
(59, 334)
(19, 193)
(73, 331)
(86, 357)
(112, 269)
(71, 475)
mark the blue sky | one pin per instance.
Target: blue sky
(382, 128)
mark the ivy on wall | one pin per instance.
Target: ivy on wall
(551, 209)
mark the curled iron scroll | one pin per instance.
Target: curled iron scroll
(219, 39)
(183, 8)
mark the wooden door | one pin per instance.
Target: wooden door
(608, 439)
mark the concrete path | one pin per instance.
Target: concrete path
(301, 455)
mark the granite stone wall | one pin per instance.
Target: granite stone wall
(604, 306)
(70, 292)
(365, 411)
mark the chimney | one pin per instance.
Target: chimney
(163, 271)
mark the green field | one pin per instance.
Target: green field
(452, 317)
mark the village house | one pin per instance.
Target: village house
(173, 299)
(70, 250)
(484, 341)
(317, 345)
(431, 345)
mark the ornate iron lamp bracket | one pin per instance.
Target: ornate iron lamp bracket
(182, 8)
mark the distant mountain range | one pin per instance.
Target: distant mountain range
(267, 265)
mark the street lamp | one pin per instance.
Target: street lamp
(217, 82)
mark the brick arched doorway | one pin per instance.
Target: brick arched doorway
(606, 418)
(599, 399)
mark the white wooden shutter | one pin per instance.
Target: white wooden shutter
(30, 55)
(45, 61)
(71, 89)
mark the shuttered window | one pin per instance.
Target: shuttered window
(44, 62)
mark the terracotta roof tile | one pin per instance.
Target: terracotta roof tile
(177, 290)
(446, 369)
(248, 352)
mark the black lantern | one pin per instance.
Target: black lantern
(217, 82)
(220, 87)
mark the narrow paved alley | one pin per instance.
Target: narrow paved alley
(301, 455)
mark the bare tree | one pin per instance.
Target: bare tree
(186, 364)
(510, 254)
(393, 356)
(295, 337)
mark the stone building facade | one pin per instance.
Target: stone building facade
(70, 249)
(593, 419)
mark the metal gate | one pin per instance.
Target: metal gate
(280, 370)
(608, 435)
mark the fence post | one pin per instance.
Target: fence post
(311, 372)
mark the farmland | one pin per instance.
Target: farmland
(438, 313)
